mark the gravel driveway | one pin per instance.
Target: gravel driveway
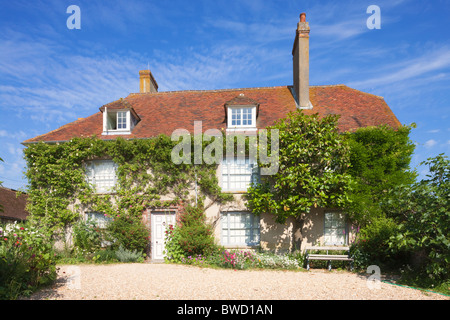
(147, 281)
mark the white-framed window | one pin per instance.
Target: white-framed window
(101, 174)
(240, 229)
(118, 122)
(99, 219)
(335, 230)
(238, 173)
(241, 117)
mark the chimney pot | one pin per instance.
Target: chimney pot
(302, 17)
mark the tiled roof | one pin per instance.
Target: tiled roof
(13, 205)
(163, 112)
(120, 104)
(241, 99)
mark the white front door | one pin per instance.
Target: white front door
(160, 221)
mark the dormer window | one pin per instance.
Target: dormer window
(117, 120)
(241, 113)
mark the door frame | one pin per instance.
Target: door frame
(153, 225)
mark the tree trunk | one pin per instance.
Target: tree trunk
(297, 236)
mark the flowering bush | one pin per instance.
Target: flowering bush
(27, 259)
(273, 261)
(172, 248)
(237, 259)
(240, 259)
(192, 237)
(197, 260)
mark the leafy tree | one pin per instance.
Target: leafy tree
(423, 216)
(380, 158)
(313, 164)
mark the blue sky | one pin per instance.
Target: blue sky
(51, 75)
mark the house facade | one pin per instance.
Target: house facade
(244, 111)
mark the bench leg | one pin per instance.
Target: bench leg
(307, 264)
(329, 265)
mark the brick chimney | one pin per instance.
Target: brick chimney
(300, 57)
(147, 82)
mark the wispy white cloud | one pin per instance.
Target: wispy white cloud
(14, 150)
(19, 135)
(406, 69)
(430, 143)
(340, 30)
(48, 87)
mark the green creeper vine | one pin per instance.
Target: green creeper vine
(58, 188)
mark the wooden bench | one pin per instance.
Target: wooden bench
(328, 257)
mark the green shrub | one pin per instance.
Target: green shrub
(106, 255)
(124, 255)
(196, 239)
(173, 250)
(192, 237)
(371, 246)
(128, 232)
(422, 213)
(86, 236)
(196, 236)
(27, 260)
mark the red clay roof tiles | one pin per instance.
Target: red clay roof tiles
(163, 112)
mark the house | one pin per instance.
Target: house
(12, 206)
(149, 113)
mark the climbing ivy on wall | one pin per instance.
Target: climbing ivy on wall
(58, 188)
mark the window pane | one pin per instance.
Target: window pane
(99, 219)
(111, 121)
(236, 117)
(247, 116)
(335, 228)
(121, 120)
(101, 174)
(238, 174)
(240, 228)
